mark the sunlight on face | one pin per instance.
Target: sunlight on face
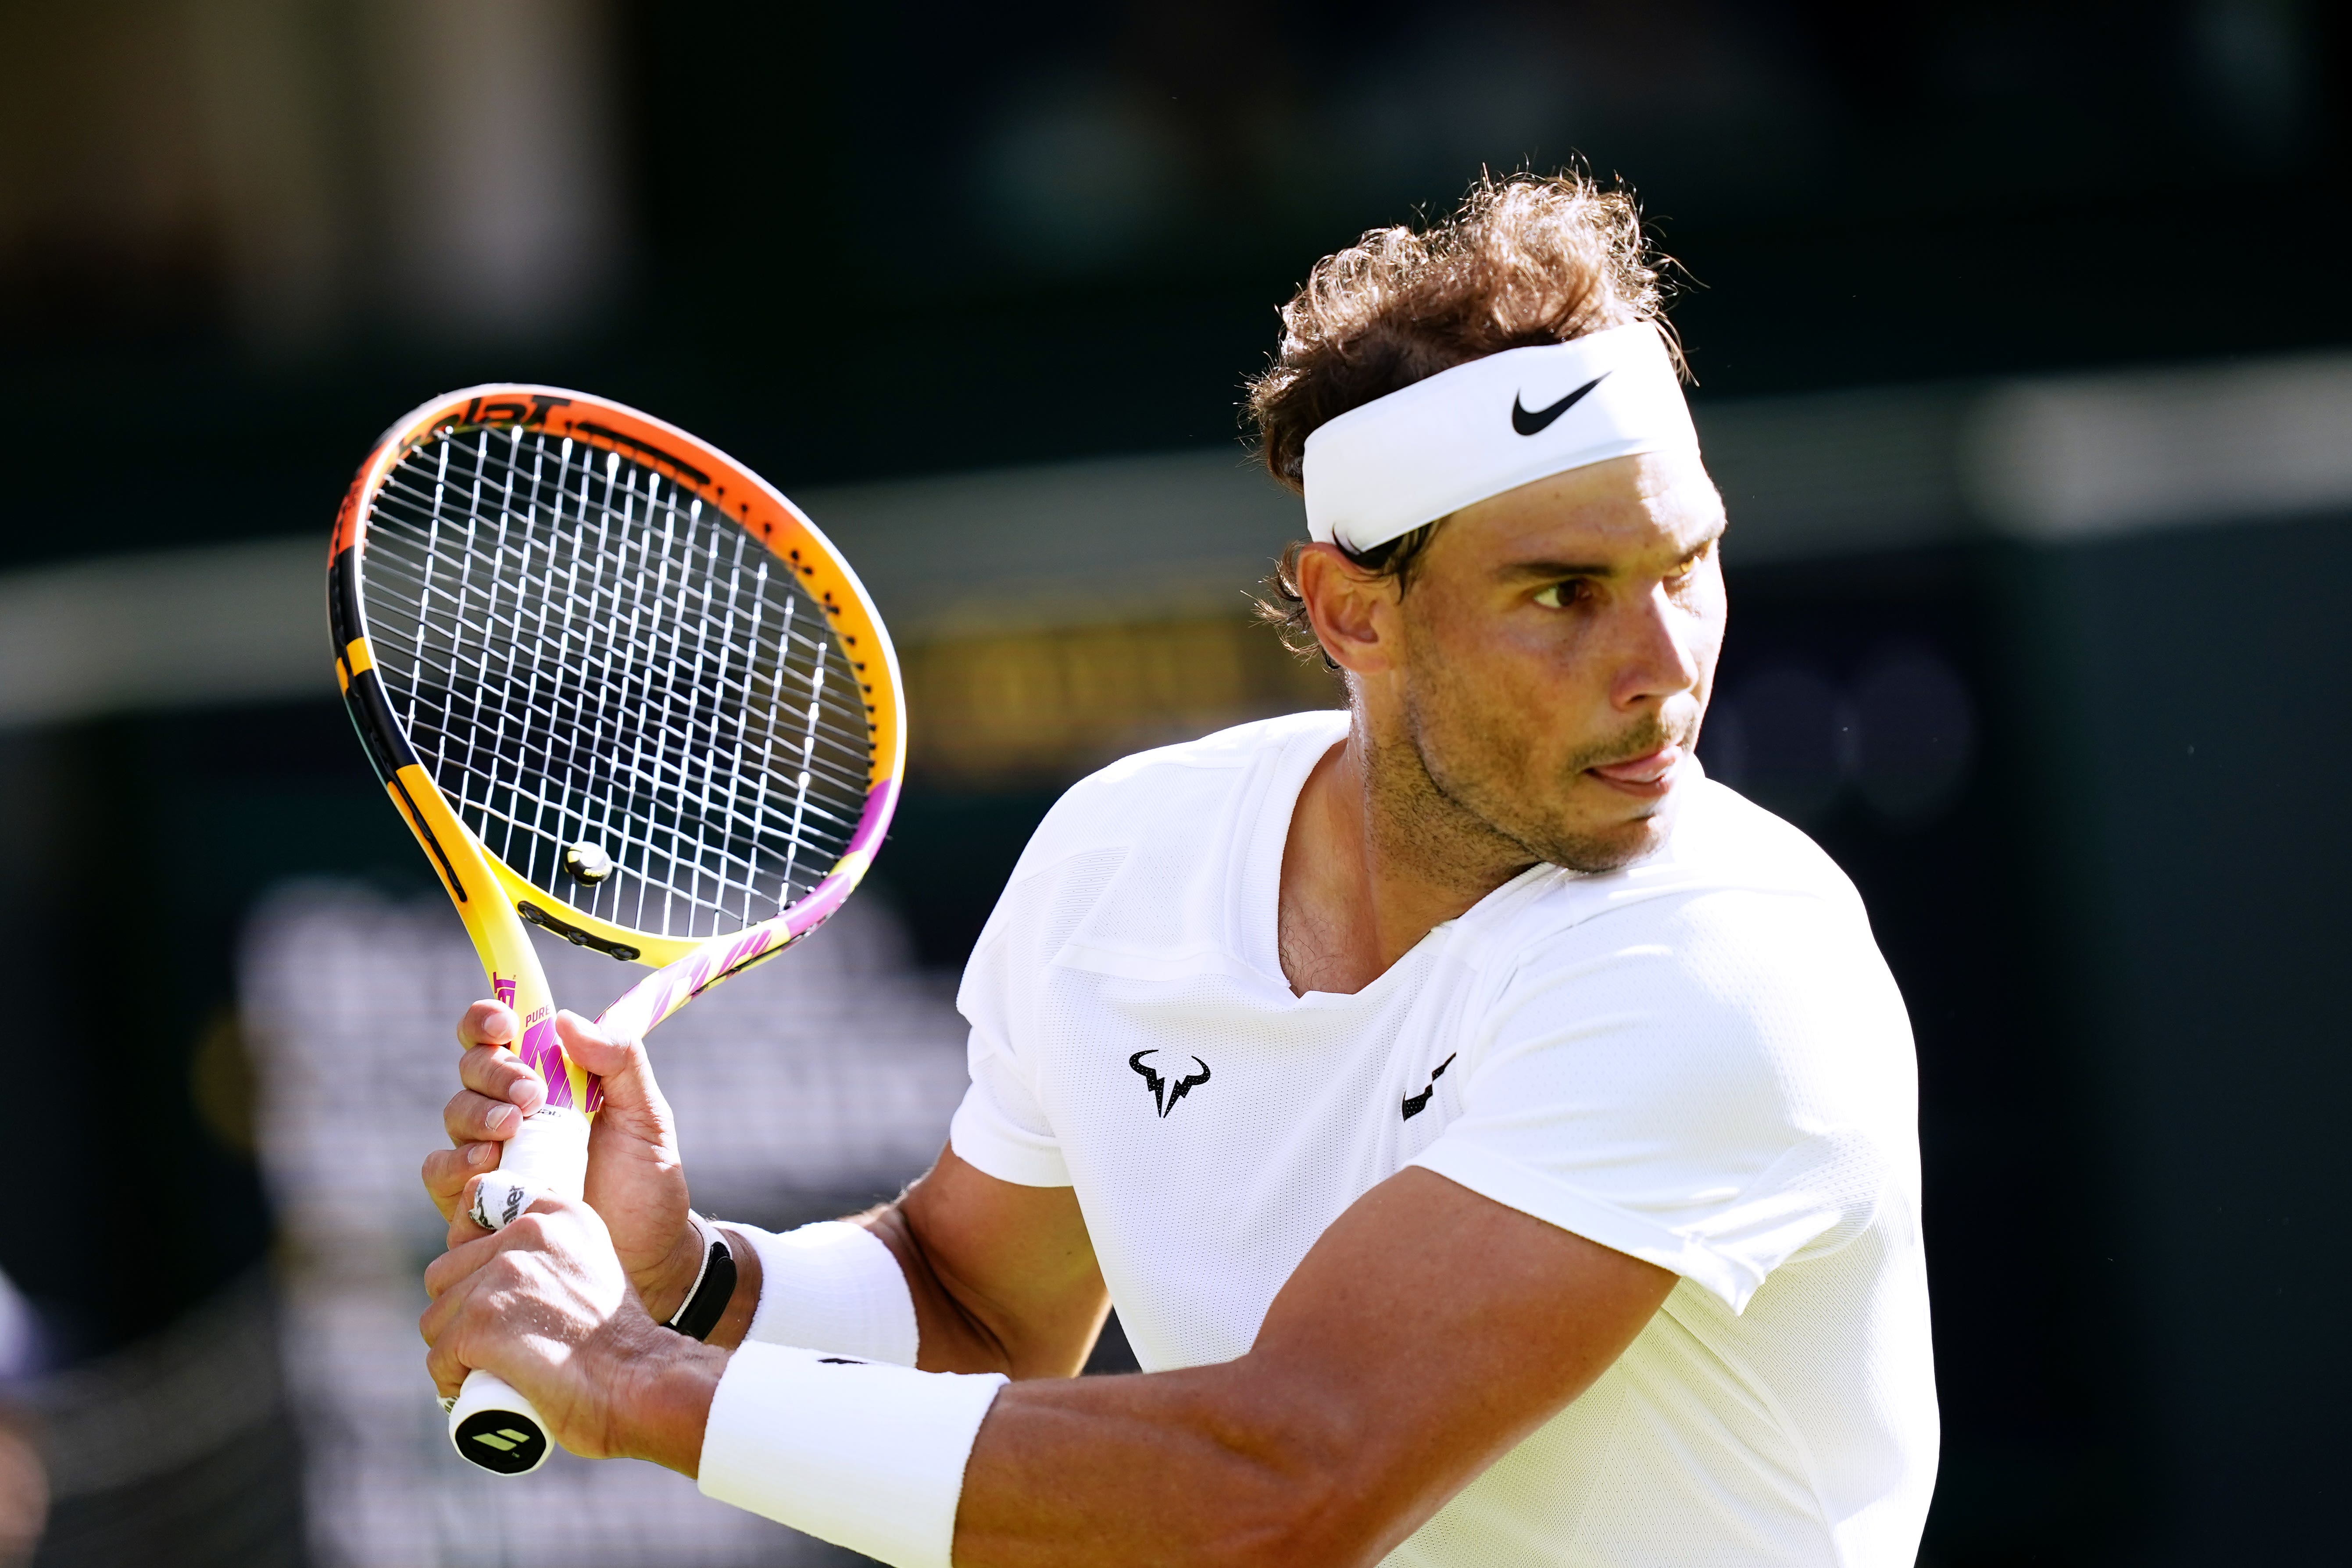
(1560, 644)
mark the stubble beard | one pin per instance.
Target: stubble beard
(1461, 796)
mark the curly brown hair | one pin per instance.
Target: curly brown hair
(1524, 260)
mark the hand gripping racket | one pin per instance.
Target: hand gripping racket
(623, 690)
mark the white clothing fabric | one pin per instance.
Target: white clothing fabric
(832, 1286)
(863, 1454)
(1489, 425)
(1699, 1060)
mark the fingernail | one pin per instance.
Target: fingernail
(504, 1117)
(479, 1154)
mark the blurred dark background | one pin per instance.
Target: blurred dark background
(2020, 338)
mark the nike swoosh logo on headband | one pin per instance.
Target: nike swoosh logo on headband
(1530, 422)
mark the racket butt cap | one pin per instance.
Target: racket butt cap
(494, 1429)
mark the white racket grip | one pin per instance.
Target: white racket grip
(490, 1423)
(546, 1157)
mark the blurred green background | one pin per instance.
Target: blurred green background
(2023, 356)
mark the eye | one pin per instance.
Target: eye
(1698, 558)
(1562, 595)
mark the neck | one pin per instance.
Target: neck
(1376, 858)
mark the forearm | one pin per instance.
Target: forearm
(868, 1286)
(961, 1327)
(998, 1278)
(949, 1337)
(1367, 1400)
(1228, 1464)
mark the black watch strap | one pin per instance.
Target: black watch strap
(707, 1302)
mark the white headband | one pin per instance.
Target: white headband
(1490, 425)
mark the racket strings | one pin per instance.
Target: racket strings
(582, 652)
(602, 732)
(843, 751)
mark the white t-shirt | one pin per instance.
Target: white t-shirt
(1699, 1060)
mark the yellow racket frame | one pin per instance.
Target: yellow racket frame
(490, 897)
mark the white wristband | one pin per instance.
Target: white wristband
(833, 1287)
(863, 1454)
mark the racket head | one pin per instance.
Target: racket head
(563, 625)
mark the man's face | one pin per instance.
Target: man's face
(1560, 646)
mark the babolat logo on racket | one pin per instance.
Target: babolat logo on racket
(495, 1440)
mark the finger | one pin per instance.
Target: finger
(448, 1373)
(500, 1074)
(488, 1024)
(471, 1118)
(441, 1326)
(462, 1229)
(621, 1062)
(447, 1172)
(445, 1271)
(592, 1045)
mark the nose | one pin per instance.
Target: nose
(1657, 659)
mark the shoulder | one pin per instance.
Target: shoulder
(1722, 844)
(1726, 838)
(1741, 952)
(1169, 792)
(1155, 835)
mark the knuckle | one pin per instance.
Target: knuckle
(478, 1069)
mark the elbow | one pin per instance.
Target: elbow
(1309, 1527)
(1315, 1501)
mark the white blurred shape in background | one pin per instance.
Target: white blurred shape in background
(491, 129)
(267, 125)
(815, 1083)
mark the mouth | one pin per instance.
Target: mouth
(1646, 778)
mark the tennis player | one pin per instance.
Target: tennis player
(1497, 1138)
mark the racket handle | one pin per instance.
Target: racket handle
(491, 1425)
(495, 1427)
(546, 1157)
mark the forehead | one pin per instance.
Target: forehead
(1653, 509)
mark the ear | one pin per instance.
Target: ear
(1354, 611)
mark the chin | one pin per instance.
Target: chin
(1605, 846)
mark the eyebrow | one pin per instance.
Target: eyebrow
(1549, 570)
(1552, 570)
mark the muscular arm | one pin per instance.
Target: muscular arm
(1003, 1276)
(1427, 1332)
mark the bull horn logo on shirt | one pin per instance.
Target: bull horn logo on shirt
(1162, 1095)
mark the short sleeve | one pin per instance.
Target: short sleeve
(1715, 1085)
(1000, 1128)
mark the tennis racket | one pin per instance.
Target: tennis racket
(621, 688)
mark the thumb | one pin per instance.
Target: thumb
(619, 1059)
